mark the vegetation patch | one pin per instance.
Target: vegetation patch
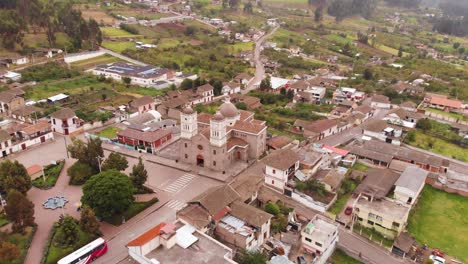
(134, 209)
(340, 257)
(108, 132)
(3, 220)
(21, 241)
(51, 173)
(439, 220)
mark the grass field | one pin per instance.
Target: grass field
(440, 146)
(93, 62)
(119, 46)
(340, 257)
(440, 221)
(3, 220)
(45, 90)
(112, 32)
(108, 132)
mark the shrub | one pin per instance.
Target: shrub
(272, 208)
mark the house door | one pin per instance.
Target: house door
(200, 161)
(4, 153)
(238, 155)
(23, 146)
(42, 139)
(66, 131)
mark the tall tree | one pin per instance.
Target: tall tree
(318, 14)
(400, 52)
(89, 153)
(139, 175)
(250, 257)
(68, 232)
(95, 34)
(88, 221)
(19, 210)
(248, 7)
(108, 193)
(11, 28)
(115, 161)
(13, 175)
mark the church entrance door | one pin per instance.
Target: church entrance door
(200, 161)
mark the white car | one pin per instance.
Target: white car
(437, 259)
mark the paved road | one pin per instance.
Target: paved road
(370, 253)
(259, 67)
(123, 57)
(352, 133)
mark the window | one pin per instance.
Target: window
(272, 181)
(214, 151)
(308, 239)
(185, 144)
(274, 171)
(318, 244)
(200, 147)
(186, 156)
(395, 224)
(53, 121)
(214, 163)
(370, 222)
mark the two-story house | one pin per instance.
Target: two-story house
(410, 184)
(5, 144)
(142, 104)
(319, 238)
(280, 167)
(65, 121)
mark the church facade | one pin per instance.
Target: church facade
(217, 141)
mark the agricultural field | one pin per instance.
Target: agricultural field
(439, 220)
(119, 46)
(91, 63)
(111, 32)
(439, 146)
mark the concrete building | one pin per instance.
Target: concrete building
(410, 184)
(319, 238)
(147, 140)
(177, 243)
(9, 102)
(142, 105)
(442, 102)
(65, 121)
(320, 129)
(230, 88)
(280, 167)
(145, 76)
(383, 131)
(385, 216)
(218, 141)
(380, 101)
(6, 148)
(403, 118)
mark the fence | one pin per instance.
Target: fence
(73, 57)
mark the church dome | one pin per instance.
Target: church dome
(188, 110)
(218, 117)
(228, 110)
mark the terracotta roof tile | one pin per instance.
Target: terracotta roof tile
(282, 159)
(147, 236)
(147, 136)
(38, 127)
(321, 125)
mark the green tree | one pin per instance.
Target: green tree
(139, 175)
(265, 84)
(241, 106)
(8, 252)
(250, 257)
(67, 233)
(272, 208)
(13, 175)
(115, 161)
(217, 87)
(400, 52)
(318, 14)
(187, 84)
(127, 80)
(248, 7)
(461, 50)
(89, 153)
(11, 28)
(88, 221)
(19, 210)
(411, 136)
(79, 173)
(424, 124)
(108, 193)
(456, 45)
(368, 74)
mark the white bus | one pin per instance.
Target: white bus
(86, 254)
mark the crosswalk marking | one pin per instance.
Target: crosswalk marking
(179, 184)
(176, 205)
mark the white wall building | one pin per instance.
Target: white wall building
(410, 184)
(319, 238)
(280, 167)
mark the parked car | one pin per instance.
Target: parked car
(301, 260)
(348, 210)
(437, 259)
